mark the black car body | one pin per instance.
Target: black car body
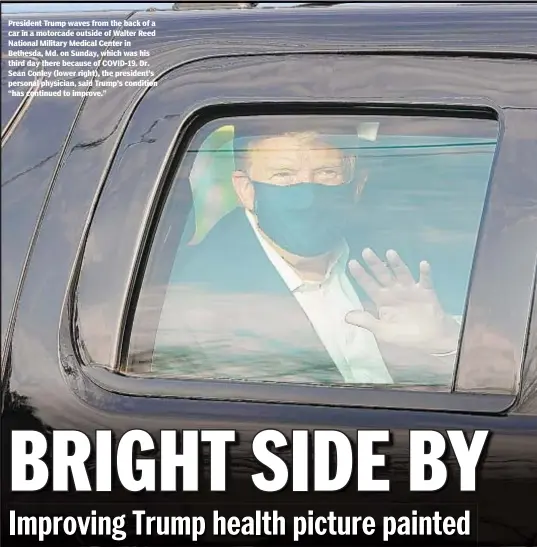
(92, 170)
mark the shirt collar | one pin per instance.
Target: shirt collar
(291, 277)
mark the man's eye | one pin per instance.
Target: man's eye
(328, 173)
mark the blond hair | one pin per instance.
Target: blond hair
(243, 157)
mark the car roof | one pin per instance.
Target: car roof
(508, 27)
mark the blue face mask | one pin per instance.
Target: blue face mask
(305, 219)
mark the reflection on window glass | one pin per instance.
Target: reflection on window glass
(11, 96)
(316, 249)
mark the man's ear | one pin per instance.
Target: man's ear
(244, 189)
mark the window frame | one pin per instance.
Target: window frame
(24, 104)
(340, 396)
(389, 397)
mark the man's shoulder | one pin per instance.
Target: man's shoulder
(229, 237)
(229, 257)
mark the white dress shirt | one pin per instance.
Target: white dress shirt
(354, 350)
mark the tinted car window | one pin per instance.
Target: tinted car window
(236, 289)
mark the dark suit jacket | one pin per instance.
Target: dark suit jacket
(230, 314)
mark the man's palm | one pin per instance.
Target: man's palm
(409, 312)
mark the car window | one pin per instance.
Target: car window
(315, 249)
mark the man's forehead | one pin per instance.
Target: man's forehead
(278, 145)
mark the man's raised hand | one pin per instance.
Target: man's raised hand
(409, 312)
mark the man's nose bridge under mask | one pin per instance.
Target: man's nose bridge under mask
(304, 174)
(307, 169)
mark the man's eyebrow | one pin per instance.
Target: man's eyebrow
(281, 167)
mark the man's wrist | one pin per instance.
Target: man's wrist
(451, 329)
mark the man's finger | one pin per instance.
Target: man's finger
(363, 319)
(425, 275)
(402, 274)
(381, 272)
(368, 283)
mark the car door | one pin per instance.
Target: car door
(34, 131)
(135, 163)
